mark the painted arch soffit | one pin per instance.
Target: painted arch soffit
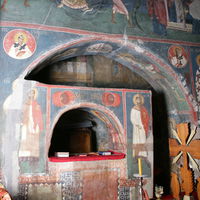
(139, 59)
(101, 112)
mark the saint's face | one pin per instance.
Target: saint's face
(138, 101)
(32, 95)
(21, 39)
(178, 52)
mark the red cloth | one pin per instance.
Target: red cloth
(157, 8)
(37, 115)
(114, 156)
(145, 119)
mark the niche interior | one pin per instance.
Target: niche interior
(80, 132)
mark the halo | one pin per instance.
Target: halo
(18, 34)
(198, 60)
(138, 96)
(177, 47)
(35, 93)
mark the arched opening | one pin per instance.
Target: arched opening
(74, 133)
(140, 60)
(101, 71)
(85, 131)
(90, 71)
(138, 68)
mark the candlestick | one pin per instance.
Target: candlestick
(139, 187)
(140, 195)
(140, 166)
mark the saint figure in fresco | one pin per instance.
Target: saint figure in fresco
(32, 126)
(177, 56)
(140, 120)
(158, 14)
(20, 49)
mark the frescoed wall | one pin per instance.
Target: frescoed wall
(53, 46)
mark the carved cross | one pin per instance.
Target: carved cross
(187, 146)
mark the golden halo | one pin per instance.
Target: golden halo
(20, 34)
(35, 93)
(138, 96)
(177, 47)
(198, 60)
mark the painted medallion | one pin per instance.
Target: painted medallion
(19, 44)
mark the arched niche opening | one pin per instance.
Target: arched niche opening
(85, 131)
(74, 133)
(141, 61)
(90, 71)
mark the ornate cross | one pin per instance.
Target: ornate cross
(187, 147)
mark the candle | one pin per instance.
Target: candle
(140, 166)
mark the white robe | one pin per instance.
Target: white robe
(139, 135)
(18, 53)
(179, 62)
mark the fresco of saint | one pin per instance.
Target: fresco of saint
(19, 44)
(157, 12)
(19, 49)
(177, 56)
(32, 126)
(140, 119)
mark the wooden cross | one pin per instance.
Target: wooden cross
(185, 145)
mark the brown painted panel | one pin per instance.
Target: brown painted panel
(80, 141)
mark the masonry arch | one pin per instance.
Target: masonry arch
(171, 97)
(133, 55)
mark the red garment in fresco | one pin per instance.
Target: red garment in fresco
(145, 119)
(157, 8)
(31, 128)
(32, 116)
(37, 115)
(139, 117)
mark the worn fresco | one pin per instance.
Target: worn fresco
(42, 108)
(157, 39)
(31, 152)
(19, 44)
(139, 130)
(164, 19)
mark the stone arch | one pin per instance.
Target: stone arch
(136, 57)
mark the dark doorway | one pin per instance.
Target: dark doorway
(74, 133)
